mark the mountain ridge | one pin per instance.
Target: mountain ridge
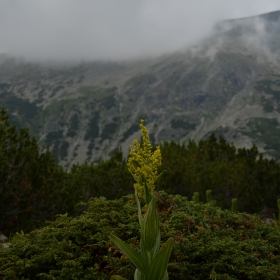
(228, 84)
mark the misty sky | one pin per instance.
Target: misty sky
(113, 29)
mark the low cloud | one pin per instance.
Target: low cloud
(113, 29)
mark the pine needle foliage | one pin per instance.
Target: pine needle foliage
(210, 243)
(214, 164)
(32, 185)
(34, 188)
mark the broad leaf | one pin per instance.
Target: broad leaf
(138, 275)
(159, 264)
(150, 229)
(131, 253)
(156, 245)
(147, 195)
(165, 277)
(139, 210)
(142, 250)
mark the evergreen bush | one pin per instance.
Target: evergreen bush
(210, 243)
(33, 188)
(109, 178)
(214, 164)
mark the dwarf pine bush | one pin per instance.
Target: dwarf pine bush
(210, 243)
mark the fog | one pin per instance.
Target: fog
(113, 29)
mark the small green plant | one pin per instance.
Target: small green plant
(276, 222)
(234, 205)
(209, 198)
(195, 197)
(151, 263)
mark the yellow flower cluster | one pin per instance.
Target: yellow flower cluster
(143, 163)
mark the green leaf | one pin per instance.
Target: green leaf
(117, 277)
(138, 275)
(142, 250)
(154, 250)
(156, 245)
(165, 277)
(139, 210)
(150, 229)
(131, 253)
(147, 195)
(159, 176)
(157, 268)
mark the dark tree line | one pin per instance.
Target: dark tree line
(33, 188)
(229, 172)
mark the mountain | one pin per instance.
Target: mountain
(228, 84)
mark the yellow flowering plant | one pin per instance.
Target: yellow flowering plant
(151, 263)
(143, 164)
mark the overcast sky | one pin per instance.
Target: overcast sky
(113, 29)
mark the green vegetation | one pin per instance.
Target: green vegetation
(271, 87)
(267, 106)
(109, 130)
(15, 104)
(151, 263)
(90, 148)
(32, 186)
(74, 125)
(53, 136)
(141, 80)
(4, 86)
(93, 92)
(182, 124)
(109, 102)
(93, 130)
(55, 90)
(211, 164)
(266, 87)
(267, 131)
(210, 241)
(229, 172)
(109, 178)
(64, 149)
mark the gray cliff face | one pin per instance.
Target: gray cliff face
(229, 84)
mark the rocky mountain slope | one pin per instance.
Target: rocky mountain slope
(228, 84)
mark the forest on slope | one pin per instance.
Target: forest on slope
(77, 244)
(34, 188)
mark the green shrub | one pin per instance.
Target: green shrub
(33, 188)
(214, 164)
(210, 243)
(109, 178)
